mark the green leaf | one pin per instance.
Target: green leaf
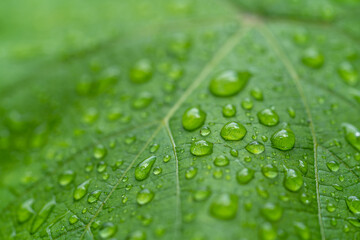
(180, 119)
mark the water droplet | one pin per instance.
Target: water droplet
(202, 194)
(267, 232)
(201, 148)
(353, 204)
(25, 211)
(247, 104)
(272, 212)
(291, 112)
(193, 118)
(305, 198)
(107, 230)
(313, 58)
(224, 206)
(81, 190)
(268, 117)
(166, 158)
(94, 196)
(330, 207)
(205, 131)
(234, 152)
(221, 161)
(302, 230)
(141, 71)
(283, 139)
(348, 73)
(229, 83)
(303, 166)
(293, 180)
(73, 219)
(99, 151)
(333, 166)
(352, 135)
(101, 167)
(137, 235)
(42, 216)
(255, 147)
(233, 131)
(66, 178)
(269, 171)
(229, 110)
(154, 147)
(191, 172)
(143, 100)
(257, 94)
(143, 169)
(245, 175)
(144, 196)
(157, 170)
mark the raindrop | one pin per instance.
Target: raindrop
(353, 204)
(221, 161)
(313, 58)
(257, 94)
(143, 169)
(229, 110)
(202, 194)
(233, 131)
(272, 212)
(154, 148)
(201, 148)
(268, 117)
(94, 196)
(191, 172)
(143, 100)
(245, 175)
(193, 118)
(157, 170)
(229, 83)
(352, 135)
(144, 196)
(333, 166)
(291, 112)
(283, 139)
(73, 219)
(255, 147)
(348, 73)
(107, 230)
(81, 190)
(247, 104)
(99, 151)
(293, 180)
(66, 178)
(224, 206)
(205, 131)
(101, 167)
(269, 171)
(25, 211)
(141, 71)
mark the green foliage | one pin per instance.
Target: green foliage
(180, 119)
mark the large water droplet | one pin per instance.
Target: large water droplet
(81, 190)
(313, 58)
(42, 216)
(144, 196)
(141, 72)
(255, 147)
(224, 206)
(333, 166)
(348, 73)
(268, 117)
(229, 110)
(352, 135)
(293, 180)
(245, 175)
(143, 169)
(272, 212)
(66, 178)
(191, 172)
(229, 83)
(107, 230)
(353, 204)
(283, 139)
(221, 161)
(25, 211)
(233, 131)
(269, 171)
(193, 118)
(201, 148)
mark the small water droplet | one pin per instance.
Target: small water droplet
(268, 232)
(303, 166)
(224, 206)
(25, 211)
(269, 171)
(201, 148)
(205, 131)
(255, 147)
(66, 178)
(143, 169)
(191, 172)
(228, 83)
(257, 94)
(245, 175)
(283, 139)
(157, 170)
(137, 235)
(99, 151)
(234, 152)
(202, 194)
(353, 204)
(144, 196)
(291, 112)
(333, 166)
(233, 131)
(313, 58)
(221, 161)
(166, 158)
(330, 207)
(193, 118)
(73, 219)
(229, 110)
(143, 100)
(154, 148)
(272, 212)
(107, 230)
(293, 180)
(141, 71)
(101, 167)
(94, 196)
(348, 73)
(247, 104)
(352, 135)
(268, 117)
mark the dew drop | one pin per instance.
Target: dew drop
(291, 112)
(353, 204)
(143, 100)
(94, 196)
(202, 194)
(191, 172)
(144, 196)
(166, 158)
(302, 230)
(73, 219)
(101, 167)
(221, 161)
(141, 71)
(293, 180)
(205, 131)
(157, 170)
(224, 206)
(313, 58)
(229, 110)
(154, 148)
(267, 232)
(269, 171)
(201, 148)
(330, 207)
(99, 151)
(81, 190)
(229, 83)
(137, 235)
(303, 166)
(142, 170)
(333, 166)
(233, 131)
(348, 73)
(255, 147)
(25, 211)
(247, 104)
(268, 117)
(272, 212)
(193, 118)
(352, 135)
(257, 94)
(107, 230)
(245, 175)
(283, 139)
(234, 152)
(66, 178)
